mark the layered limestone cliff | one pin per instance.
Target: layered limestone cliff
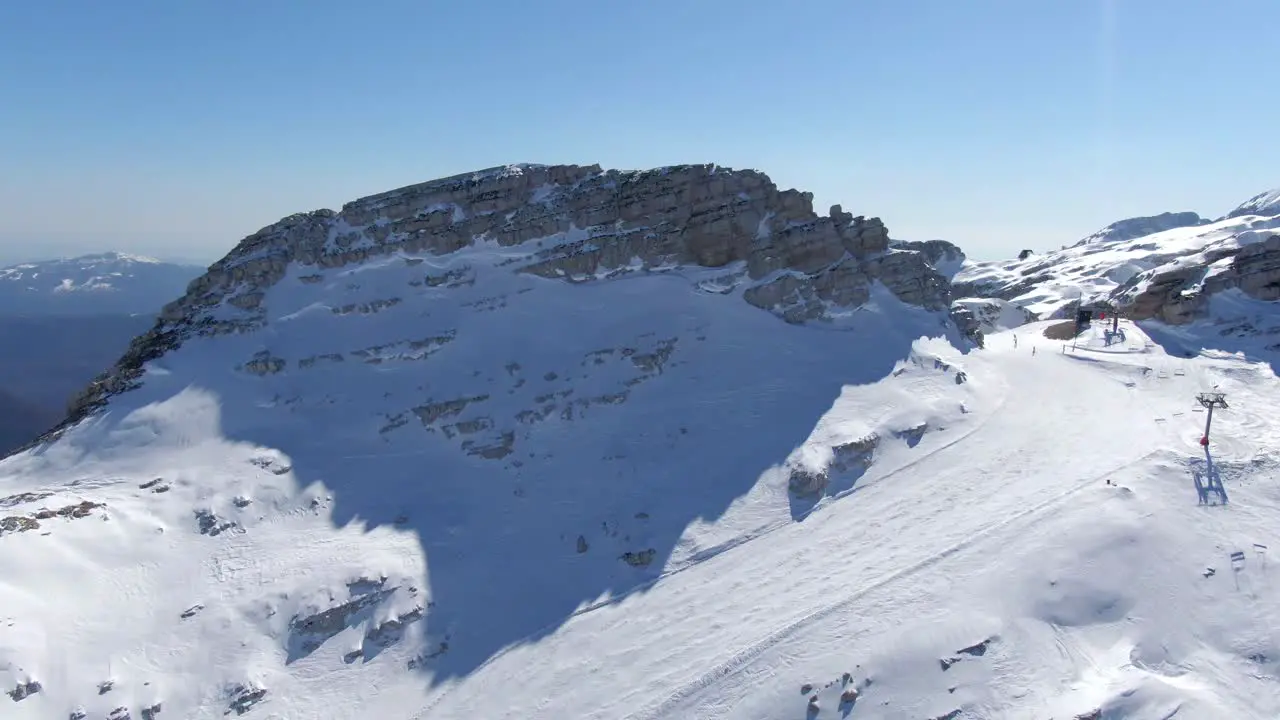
(945, 257)
(574, 224)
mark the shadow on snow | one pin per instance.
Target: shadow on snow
(1192, 340)
(1208, 480)
(513, 552)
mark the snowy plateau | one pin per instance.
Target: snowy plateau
(533, 443)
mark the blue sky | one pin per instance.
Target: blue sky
(176, 128)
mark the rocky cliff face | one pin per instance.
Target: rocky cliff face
(945, 257)
(578, 224)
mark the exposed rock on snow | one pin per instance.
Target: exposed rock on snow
(212, 525)
(967, 321)
(243, 698)
(639, 558)
(1164, 267)
(31, 521)
(1178, 294)
(575, 223)
(992, 314)
(945, 257)
(24, 689)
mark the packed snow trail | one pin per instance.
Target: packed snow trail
(1111, 513)
(998, 472)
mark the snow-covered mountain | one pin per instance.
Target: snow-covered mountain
(1176, 268)
(370, 452)
(549, 442)
(104, 283)
(1133, 228)
(1265, 204)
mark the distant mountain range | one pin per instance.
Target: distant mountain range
(1165, 267)
(104, 283)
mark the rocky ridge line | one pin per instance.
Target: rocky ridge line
(581, 224)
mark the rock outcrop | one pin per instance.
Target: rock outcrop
(576, 224)
(968, 323)
(987, 315)
(1179, 293)
(943, 256)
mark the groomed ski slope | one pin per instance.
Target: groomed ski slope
(984, 522)
(1093, 596)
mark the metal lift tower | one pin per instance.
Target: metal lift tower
(1210, 400)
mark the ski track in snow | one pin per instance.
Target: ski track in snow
(753, 594)
(745, 655)
(1100, 393)
(703, 556)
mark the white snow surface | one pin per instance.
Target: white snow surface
(1047, 283)
(1029, 538)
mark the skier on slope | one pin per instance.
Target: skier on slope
(1015, 342)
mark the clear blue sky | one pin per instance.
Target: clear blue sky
(176, 128)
